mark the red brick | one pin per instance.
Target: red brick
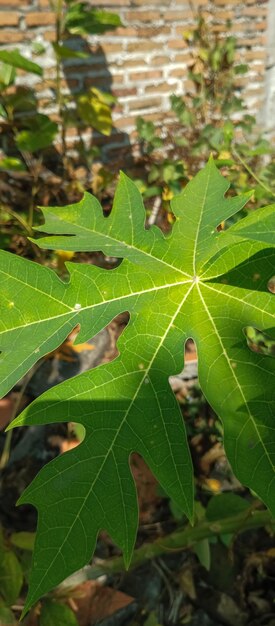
(178, 16)
(144, 3)
(183, 58)
(162, 87)
(161, 60)
(143, 76)
(142, 46)
(255, 11)
(143, 103)
(49, 35)
(255, 54)
(226, 2)
(177, 44)
(125, 122)
(124, 91)
(132, 63)
(117, 79)
(224, 15)
(9, 19)
(115, 3)
(40, 19)
(14, 3)
(152, 31)
(239, 27)
(253, 41)
(143, 16)
(102, 82)
(122, 32)
(109, 48)
(197, 3)
(178, 72)
(12, 36)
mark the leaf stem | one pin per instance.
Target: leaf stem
(187, 537)
(250, 171)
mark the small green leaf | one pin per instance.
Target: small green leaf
(15, 59)
(22, 100)
(64, 52)
(12, 163)
(95, 111)
(7, 617)
(41, 134)
(151, 620)
(11, 577)
(56, 614)
(23, 540)
(82, 20)
(241, 68)
(38, 48)
(225, 505)
(7, 74)
(202, 550)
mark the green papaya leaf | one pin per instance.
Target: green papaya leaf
(258, 225)
(11, 577)
(82, 20)
(15, 59)
(56, 614)
(198, 282)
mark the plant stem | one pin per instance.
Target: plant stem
(19, 219)
(187, 537)
(250, 171)
(59, 98)
(7, 445)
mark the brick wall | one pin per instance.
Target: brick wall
(144, 62)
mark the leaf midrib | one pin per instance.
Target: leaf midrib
(121, 243)
(199, 223)
(94, 306)
(250, 416)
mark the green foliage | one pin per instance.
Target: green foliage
(55, 614)
(28, 136)
(211, 116)
(39, 133)
(81, 19)
(198, 282)
(225, 505)
(15, 59)
(94, 110)
(14, 571)
(11, 577)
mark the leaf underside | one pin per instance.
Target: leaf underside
(197, 282)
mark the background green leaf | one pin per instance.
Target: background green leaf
(41, 134)
(81, 19)
(15, 59)
(56, 614)
(11, 577)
